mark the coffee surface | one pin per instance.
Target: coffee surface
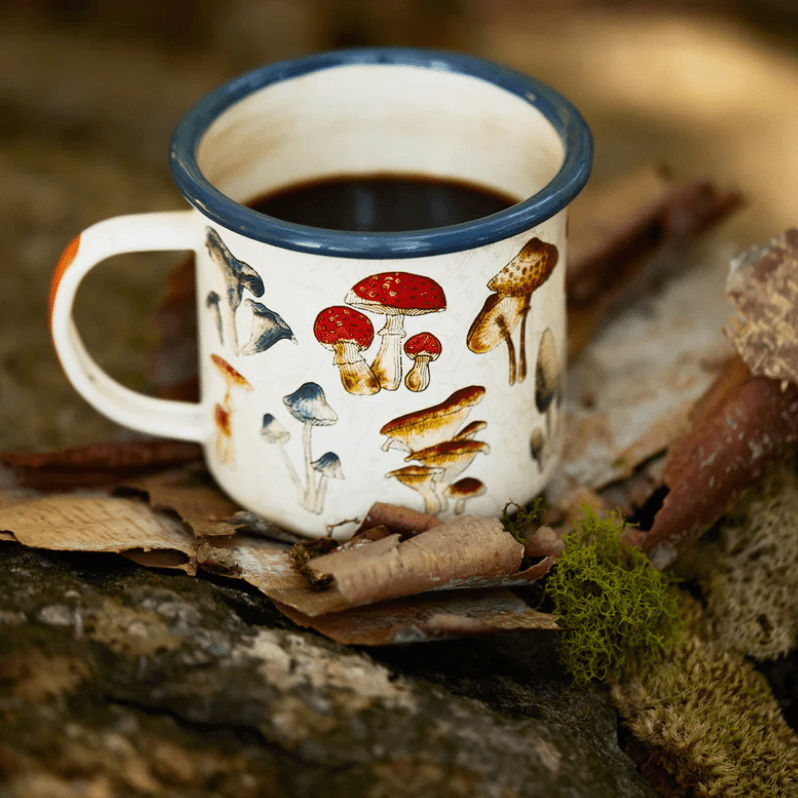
(381, 203)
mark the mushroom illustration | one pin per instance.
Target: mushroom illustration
(348, 332)
(232, 378)
(237, 276)
(548, 377)
(453, 456)
(422, 349)
(424, 480)
(223, 413)
(513, 287)
(431, 425)
(395, 295)
(329, 467)
(212, 301)
(274, 433)
(495, 324)
(463, 490)
(536, 446)
(224, 435)
(268, 328)
(470, 431)
(308, 405)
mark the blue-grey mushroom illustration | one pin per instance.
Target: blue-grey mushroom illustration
(308, 405)
(237, 276)
(274, 433)
(329, 467)
(212, 303)
(268, 328)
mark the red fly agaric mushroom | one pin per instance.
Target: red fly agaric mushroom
(422, 349)
(395, 295)
(347, 333)
(431, 425)
(231, 378)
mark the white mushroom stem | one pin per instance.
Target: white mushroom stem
(417, 378)
(310, 489)
(322, 489)
(387, 365)
(356, 375)
(522, 352)
(290, 467)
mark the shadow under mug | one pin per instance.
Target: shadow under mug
(337, 368)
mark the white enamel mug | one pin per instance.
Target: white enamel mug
(337, 369)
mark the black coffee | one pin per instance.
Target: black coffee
(381, 203)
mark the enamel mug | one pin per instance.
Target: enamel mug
(423, 368)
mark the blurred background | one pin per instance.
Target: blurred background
(91, 90)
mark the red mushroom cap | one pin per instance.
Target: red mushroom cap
(397, 292)
(423, 343)
(340, 323)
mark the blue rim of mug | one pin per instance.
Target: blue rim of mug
(525, 215)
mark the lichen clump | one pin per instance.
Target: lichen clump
(610, 600)
(752, 586)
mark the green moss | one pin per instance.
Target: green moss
(708, 718)
(524, 517)
(613, 604)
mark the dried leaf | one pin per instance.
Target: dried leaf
(94, 523)
(763, 285)
(428, 617)
(626, 236)
(98, 464)
(190, 495)
(730, 446)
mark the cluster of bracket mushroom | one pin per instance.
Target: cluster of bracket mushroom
(549, 386)
(433, 437)
(513, 287)
(308, 405)
(267, 327)
(348, 332)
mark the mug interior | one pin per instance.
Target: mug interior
(368, 119)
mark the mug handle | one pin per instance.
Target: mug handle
(145, 232)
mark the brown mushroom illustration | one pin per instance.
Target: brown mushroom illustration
(348, 332)
(513, 287)
(470, 431)
(232, 378)
(453, 456)
(224, 439)
(422, 349)
(463, 490)
(425, 481)
(423, 428)
(395, 295)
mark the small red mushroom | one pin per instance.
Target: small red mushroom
(347, 333)
(395, 295)
(422, 349)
